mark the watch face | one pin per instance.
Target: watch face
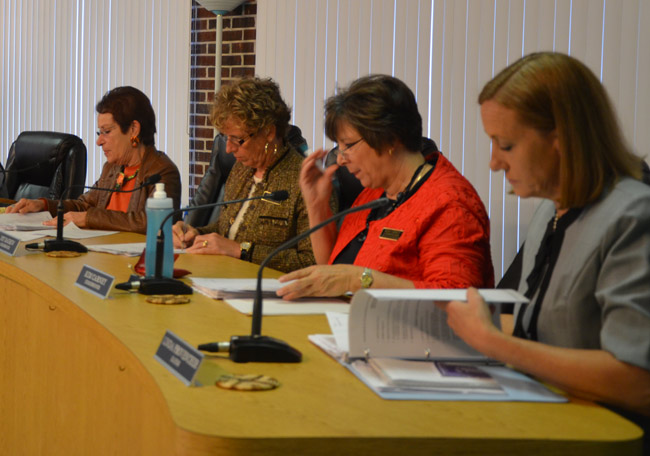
(245, 245)
(366, 279)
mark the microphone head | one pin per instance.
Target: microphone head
(279, 195)
(151, 180)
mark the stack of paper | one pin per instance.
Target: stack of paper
(403, 373)
(24, 222)
(240, 293)
(398, 343)
(28, 227)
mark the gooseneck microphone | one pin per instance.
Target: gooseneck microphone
(164, 285)
(265, 349)
(59, 243)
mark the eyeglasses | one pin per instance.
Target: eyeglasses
(105, 131)
(344, 152)
(235, 141)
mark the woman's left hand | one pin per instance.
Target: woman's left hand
(214, 244)
(320, 280)
(316, 183)
(471, 320)
(78, 218)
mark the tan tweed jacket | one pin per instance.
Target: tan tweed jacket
(268, 224)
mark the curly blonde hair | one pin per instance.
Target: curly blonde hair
(255, 102)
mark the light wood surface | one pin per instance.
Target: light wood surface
(79, 377)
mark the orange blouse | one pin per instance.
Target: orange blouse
(125, 180)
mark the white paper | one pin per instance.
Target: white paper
(408, 324)
(302, 306)
(240, 293)
(327, 343)
(339, 326)
(24, 222)
(70, 231)
(401, 379)
(26, 236)
(218, 288)
(426, 374)
(131, 249)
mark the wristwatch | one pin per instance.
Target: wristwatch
(366, 278)
(245, 251)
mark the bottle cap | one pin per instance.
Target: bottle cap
(160, 190)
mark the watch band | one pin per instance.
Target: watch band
(245, 251)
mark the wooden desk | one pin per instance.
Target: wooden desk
(79, 377)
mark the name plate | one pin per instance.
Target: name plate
(94, 281)
(8, 244)
(179, 357)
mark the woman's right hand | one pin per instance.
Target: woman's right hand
(183, 235)
(25, 206)
(316, 184)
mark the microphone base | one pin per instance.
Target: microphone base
(163, 285)
(54, 245)
(262, 349)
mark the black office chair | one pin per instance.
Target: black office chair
(43, 164)
(348, 187)
(211, 188)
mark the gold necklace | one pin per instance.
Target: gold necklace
(557, 217)
(421, 174)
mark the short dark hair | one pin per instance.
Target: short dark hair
(127, 104)
(381, 108)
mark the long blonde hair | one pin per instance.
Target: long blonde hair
(553, 91)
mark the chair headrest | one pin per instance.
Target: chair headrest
(35, 156)
(45, 147)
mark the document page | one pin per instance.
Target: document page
(407, 324)
(240, 293)
(24, 222)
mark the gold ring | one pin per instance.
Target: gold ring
(205, 243)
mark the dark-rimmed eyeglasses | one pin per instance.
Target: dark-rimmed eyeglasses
(236, 141)
(347, 146)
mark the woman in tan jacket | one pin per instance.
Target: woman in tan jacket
(254, 120)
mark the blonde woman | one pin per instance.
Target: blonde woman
(586, 260)
(254, 120)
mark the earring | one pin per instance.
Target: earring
(266, 148)
(275, 149)
(390, 152)
(135, 141)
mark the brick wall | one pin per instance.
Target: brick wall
(237, 60)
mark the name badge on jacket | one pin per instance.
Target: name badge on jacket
(390, 234)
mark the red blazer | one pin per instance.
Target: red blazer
(443, 234)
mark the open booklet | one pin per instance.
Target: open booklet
(399, 344)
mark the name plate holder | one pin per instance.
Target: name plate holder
(95, 281)
(179, 358)
(8, 244)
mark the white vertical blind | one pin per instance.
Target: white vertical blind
(446, 50)
(58, 58)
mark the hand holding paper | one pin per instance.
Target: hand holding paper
(471, 320)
